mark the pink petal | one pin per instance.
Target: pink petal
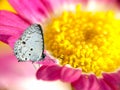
(13, 20)
(118, 3)
(93, 83)
(118, 73)
(12, 40)
(103, 85)
(82, 83)
(9, 35)
(16, 76)
(49, 73)
(113, 80)
(74, 1)
(33, 10)
(47, 60)
(52, 5)
(70, 74)
(4, 38)
(9, 30)
(11, 25)
(86, 83)
(11, 69)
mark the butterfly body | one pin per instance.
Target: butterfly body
(30, 46)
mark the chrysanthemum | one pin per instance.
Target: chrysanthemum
(81, 37)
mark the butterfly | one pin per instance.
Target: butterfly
(30, 46)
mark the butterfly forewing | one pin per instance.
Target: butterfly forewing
(30, 46)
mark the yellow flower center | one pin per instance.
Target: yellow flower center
(85, 39)
(4, 5)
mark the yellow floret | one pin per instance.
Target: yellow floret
(4, 5)
(86, 40)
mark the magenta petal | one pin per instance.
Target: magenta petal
(93, 83)
(86, 83)
(8, 30)
(47, 61)
(11, 27)
(12, 40)
(118, 73)
(118, 3)
(82, 83)
(7, 33)
(52, 5)
(103, 85)
(113, 80)
(11, 33)
(33, 10)
(13, 20)
(49, 73)
(4, 38)
(70, 74)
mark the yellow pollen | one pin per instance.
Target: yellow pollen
(86, 40)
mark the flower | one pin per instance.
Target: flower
(22, 75)
(82, 46)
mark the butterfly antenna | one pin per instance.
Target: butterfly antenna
(36, 66)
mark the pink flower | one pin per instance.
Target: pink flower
(12, 26)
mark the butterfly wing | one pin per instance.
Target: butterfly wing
(30, 46)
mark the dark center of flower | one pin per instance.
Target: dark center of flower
(86, 40)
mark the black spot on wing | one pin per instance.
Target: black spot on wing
(16, 53)
(31, 49)
(23, 42)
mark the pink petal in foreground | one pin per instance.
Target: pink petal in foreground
(69, 74)
(85, 82)
(82, 83)
(103, 85)
(49, 73)
(113, 80)
(93, 83)
(32, 10)
(48, 60)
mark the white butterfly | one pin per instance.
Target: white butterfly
(30, 46)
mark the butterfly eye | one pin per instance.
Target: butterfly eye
(29, 54)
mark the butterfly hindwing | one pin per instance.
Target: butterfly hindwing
(30, 46)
